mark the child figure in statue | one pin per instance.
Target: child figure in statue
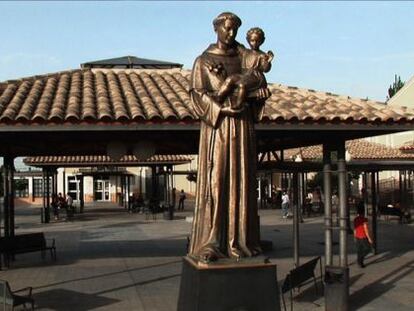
(255, 62)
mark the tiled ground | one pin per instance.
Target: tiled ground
(111, 260)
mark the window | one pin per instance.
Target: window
(73, 187)
(38, 187)
(21, 188)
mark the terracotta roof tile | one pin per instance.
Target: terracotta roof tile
(105, 160)
(142, 95)
(359, 149)
(407, 147)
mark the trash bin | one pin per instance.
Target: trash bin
(336, 288)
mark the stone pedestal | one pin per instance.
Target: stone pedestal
(247, 285)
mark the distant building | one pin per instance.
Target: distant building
(96, 179)
(403, 98)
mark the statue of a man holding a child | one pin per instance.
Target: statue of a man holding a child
(228, 90)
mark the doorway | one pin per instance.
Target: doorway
(101, 189)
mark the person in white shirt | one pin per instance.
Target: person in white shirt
(285, 204)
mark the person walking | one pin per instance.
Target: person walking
(181, 200)
(55, 206)
(69, 205)
(285, 204)
(361, 233)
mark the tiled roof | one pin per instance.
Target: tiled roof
(105, 160)
(138, 95)
(358, 149)
(408, 146)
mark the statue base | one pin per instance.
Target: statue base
(228, 285)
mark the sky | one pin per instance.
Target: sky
(349, 48)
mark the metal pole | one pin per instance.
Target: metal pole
(81, 194)
(47, 210)
(10, 164)
(43, 213)
(32, 190)
(365, 193)
(328, 204)
(295, 220)
(343, 258)
(6, 191)
(64, 182)
(301, 197)
(400, 186)
(374, 211)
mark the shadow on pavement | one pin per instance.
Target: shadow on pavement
(380, 286)
(109, 274)
(63, 299)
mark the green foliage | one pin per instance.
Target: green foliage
(395, 87)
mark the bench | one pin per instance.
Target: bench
(298, 277)
(26, 243)
(10, 299)
(393, 211)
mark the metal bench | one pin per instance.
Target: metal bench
(10, 299)
(26, 243)
(298, 277)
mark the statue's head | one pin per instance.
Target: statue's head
(255, 37)
(226, 26)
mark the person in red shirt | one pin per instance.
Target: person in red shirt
(361, 233)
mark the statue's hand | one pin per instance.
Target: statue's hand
(231, 112)
(270, 56)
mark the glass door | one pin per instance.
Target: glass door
(101, 190)
(73, 187)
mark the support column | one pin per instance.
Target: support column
(128, 191)
(374, 211)
(154, 182)
(337, 277)
(64, 182)
(10, 164)
(32, 190)
(6, 200)
(81, 194)
(55, 182)
(43, 211)
(400, 191)
(295, 220)
(365, 193)
(343, 242)
(328, 204)
(47, 192)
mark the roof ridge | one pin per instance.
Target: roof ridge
(43, 76)
(298, 88)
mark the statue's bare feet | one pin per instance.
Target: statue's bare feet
(236, 253)
(208, 255)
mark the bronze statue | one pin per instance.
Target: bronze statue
(228, 91)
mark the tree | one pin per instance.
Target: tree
(395, 87)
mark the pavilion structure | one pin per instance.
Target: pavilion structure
(361, 156)
(79, 112)
(160, 165)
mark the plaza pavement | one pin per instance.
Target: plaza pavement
(109, 259)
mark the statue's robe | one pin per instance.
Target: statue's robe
(225, 218)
